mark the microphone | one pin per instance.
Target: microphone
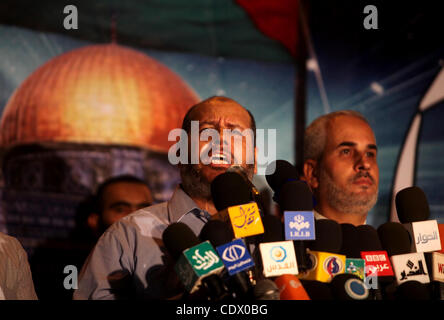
(394, 238)
(441, 236)
(412, 290)
(273, 231)
(232, 198)
(283, 172)
(278, 258)
(378, 272)
(435, 263)
(266, 289)
(325, 260)
(217, 232)
(350, 241)
(328, 236)
(368, 242)
(349, 287)
(290, 288)
(358, 244)
(197, 264)
(255, 194)
(227, 190)
(295, 201)
(234, 255)
(317, 290)
(413, 211)
(407, 267)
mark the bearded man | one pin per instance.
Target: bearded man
(130, 260)
(340, 166)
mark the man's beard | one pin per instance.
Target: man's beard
(348, 201)
(196, 185)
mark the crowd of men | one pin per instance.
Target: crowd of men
(125, 226)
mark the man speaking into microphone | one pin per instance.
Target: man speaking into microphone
(130, 259)
(340, 166)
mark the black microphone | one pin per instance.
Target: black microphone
(219, 233)
(273, 232)
(412, 205)
(328, 236)
(396, 240)
(350, 241)
(201, 281)
(368, 238)
(413, 211)
(370, 246)
(296, 196)
(255, 194)
(328, 241)
(230, 192)
(347, 286)
(227, 190)
(284, 172)
(266, 289)
(412, 290)
(317, 290)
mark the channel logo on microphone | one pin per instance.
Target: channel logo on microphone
(197, 262)
(245, 220)
(278, 258)
(235, 256)
(299, 225)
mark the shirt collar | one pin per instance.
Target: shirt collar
(180, 204)
(318, 216)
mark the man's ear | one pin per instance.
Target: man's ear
(310, 173)
(93, 221)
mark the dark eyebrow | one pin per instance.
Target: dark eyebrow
(353, 144)
(230, 125)
(119, 203)
(144, 204)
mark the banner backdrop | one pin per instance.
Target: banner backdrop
(230, 48)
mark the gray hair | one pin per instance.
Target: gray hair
(316, 133)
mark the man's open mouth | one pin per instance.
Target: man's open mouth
(220, 158)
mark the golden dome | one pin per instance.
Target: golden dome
(105, 94)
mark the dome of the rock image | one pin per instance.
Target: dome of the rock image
(100, 94)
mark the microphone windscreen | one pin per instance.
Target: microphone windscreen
(273, 229)
(178, 237)
(284, 172)
(368, 238)
(350, 241)
(328, 236)
(395, 239)
(295, 196)
(412, 205)
(266, 289)
(348, 286)
(412, 290)
(317, 290)
(229, 189)
(239, 170)
(217, 232)
(291, 288)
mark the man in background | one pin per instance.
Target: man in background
(340, 166)
(114, 198)
(15, 274)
